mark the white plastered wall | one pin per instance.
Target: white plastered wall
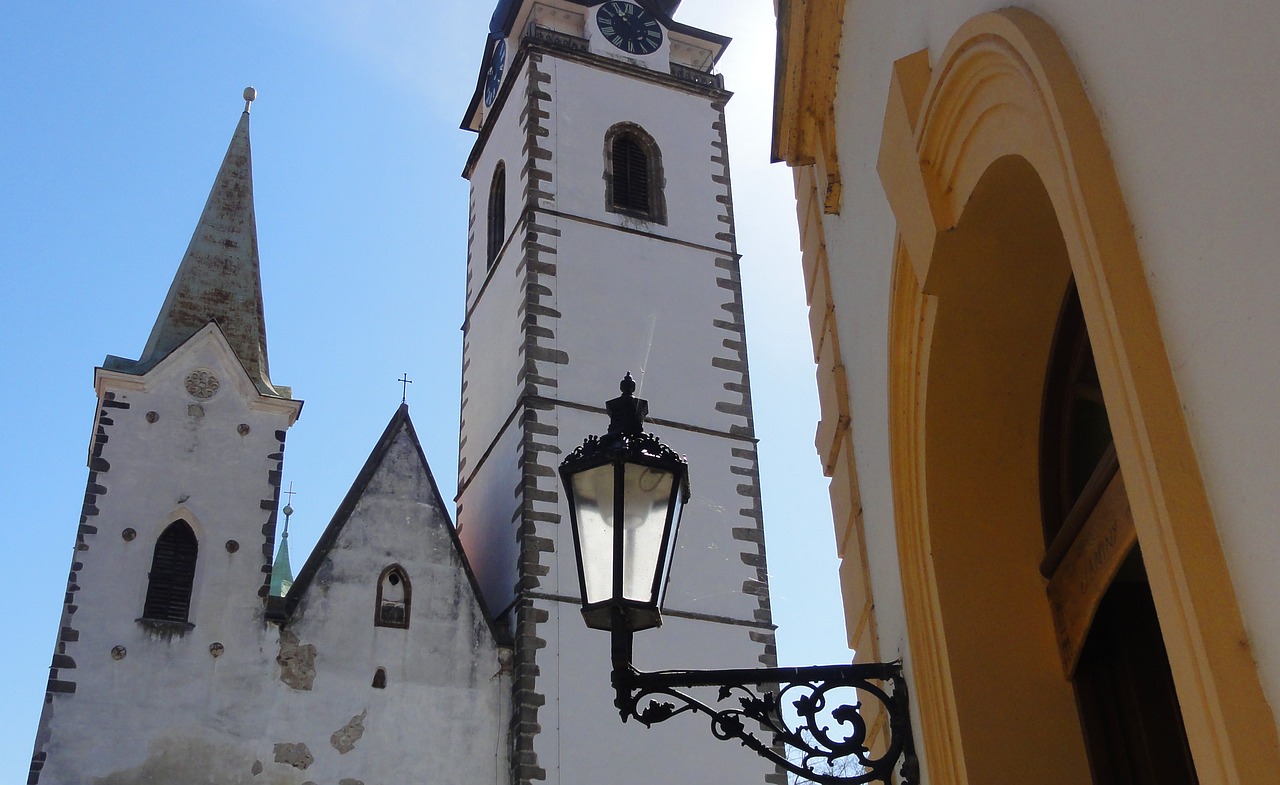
(442, 714)
(165, 691)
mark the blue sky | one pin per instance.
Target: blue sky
(116, 116)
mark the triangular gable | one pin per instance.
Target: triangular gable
(124, 365)
(400, 424)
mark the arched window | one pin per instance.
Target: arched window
(394, 596)
(497, 213)
(1124, 687)
(173, 570)
(1077, 454)
(633, 174)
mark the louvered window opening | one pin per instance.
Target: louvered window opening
(497, 213)
(630, 176)
(173, 571)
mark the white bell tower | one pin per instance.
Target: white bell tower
(602, 241)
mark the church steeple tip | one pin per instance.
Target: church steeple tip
(219, 278)
(282, 570)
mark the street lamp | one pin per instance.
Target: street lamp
(626, 490)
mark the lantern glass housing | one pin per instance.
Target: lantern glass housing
(626, 491)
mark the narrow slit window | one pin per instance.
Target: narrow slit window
(380, 679)
(394, 598)
(497, 213)
(173, 572)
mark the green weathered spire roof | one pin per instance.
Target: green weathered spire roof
(282, 571)
(218, 279)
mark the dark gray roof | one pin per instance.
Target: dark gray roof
(506, 10)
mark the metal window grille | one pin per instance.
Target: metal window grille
(173, 571)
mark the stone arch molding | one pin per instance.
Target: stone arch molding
(657, 212)
(1005, 89)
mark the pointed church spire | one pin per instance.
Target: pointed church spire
(282, 571)
(218, 279)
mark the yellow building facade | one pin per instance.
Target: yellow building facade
(1038, 246)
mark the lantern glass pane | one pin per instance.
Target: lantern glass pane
(593, 493)
(644, 515)
(678, 501)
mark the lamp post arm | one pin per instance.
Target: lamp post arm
(821, 739)
(878, 671)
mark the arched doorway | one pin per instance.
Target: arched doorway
(1004, 194)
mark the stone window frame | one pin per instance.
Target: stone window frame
(379, 620)
(657, 209)
(165, 579)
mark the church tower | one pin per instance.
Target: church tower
(602, 241)
(178, 525)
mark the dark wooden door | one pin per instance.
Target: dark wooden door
(1128, 706)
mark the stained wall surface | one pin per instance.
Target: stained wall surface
(231, 697)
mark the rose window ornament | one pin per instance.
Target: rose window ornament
(202, 385)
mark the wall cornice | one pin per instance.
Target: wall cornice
(808, 63)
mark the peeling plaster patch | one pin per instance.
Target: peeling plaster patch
(257, 768)
(295, 755)
(297, 662)
(345, 739)
(195, 762)
(350, 782)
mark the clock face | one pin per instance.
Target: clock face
(629, 27)
(493, 76)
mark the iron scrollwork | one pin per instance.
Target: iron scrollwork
(824, 741)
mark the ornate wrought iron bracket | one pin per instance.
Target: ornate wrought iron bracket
(825, 741)
(830, 724)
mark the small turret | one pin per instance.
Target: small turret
(282, 571)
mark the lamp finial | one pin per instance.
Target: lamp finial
(626, 412)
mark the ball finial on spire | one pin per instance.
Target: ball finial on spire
(249, 95)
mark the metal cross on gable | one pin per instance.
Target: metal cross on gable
(405, 381)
